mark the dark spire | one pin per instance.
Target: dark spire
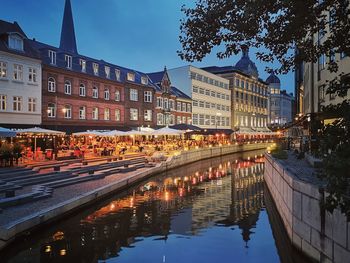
(245, 51)
(68, 42)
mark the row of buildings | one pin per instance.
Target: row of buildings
(58, 88)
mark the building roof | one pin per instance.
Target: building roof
(246, 65)
(68, 42)
(273, 79)
(6, 29)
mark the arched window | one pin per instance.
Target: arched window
(51, 85)
(95, 92)
(82, 113)
(107, 114)
(82, 91)
(106, 93)
(51, 110)
(117, 95)
(67, 111)
(160, 119)
(117, 115)
(67, 87)
(95, 113)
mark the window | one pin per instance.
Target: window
(184, 106)
(134, 114)
(67, 111)
(68, 60)
(171, 104)
(95, 68)
(218, 95)
(32, 75)
(107, 72)
(321, 62)
(106, 94)
(166, 103)
(160, 102)
(183, 119)
(117, 95)
(82, 63)
(201, 91)
(222, 96)
(213, 105)
(144, 80)
(117, 114)
(67, 87)
(189, 107)
(207, 92)
(133, 94)
(17, 72)
(3, 102)
(3, 69)
(237, 82)
(51, 85)
(201, 119)
(171, 119)
(201, 104)
(117, 74)
(130, 76)
(95, 92)
(106, 115)
(189, 120)
(343, 55)
(82, 113)
(32, 104)
(195, 119)
(82, 91)
(148, 115)
(195, 103)
(195, 89)
(52, 56)
(15, 42)
(51, 110)
(242, 84)
(178, 106)
(95, 113)
(213, 94)
(159, 119)
(148, 96)
(207, 105)
(212, 120)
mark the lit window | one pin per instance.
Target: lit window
(133, 94)
(134, 114)
(95, 92)
(95, 68)
(148, 96)
(160, 119)
(52, 56)
(166, 104)
(117, 95)
(117, 74)
(83, 65)
(17, 72)
(82, 90)
(106, 114)
(67, 111)
(107, 71)
(17, 103)
(3, 69)
(106, 94)
(82, 113)
(95, 113)
(32, 75)
(67, 87)
(188, 107)
(131, 76)
(32, 104)
(51, 110)
(178, 106)
(160, 102)
(148, 115)
(117, 115)
(51, 85)
(144, 80)
(3, 102)
(15, 42)
(68, 60)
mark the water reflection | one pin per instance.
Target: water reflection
(193, 203)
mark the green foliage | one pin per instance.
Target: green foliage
(279, 153)
(5, 151)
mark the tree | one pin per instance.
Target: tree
(277, 28)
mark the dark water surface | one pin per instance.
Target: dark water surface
(216, 210)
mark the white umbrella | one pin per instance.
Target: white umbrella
(7, 133)
(146, 129)
(133, 132)
(167, 131)
(115, 133)
(91, 133)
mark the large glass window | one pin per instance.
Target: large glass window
(160, 119)
(32, 75)
(108, 72)
(67, 111)
(148, 96)
(106, 94)
(15, 42)
(107, 114)
(148, 115)
(95, 113)
(17, 103)
(82, 113)
(83, 65)
(95, 92)
(144, 80)
(117, 74)
(117, 114)
(82, 91)
(130, 76)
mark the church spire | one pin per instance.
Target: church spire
(68, 42)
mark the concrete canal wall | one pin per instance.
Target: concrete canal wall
(323, 236)
(37, 218)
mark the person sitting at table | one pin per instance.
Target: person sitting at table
(122, 150)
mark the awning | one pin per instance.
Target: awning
(167, 131)
(217, 131)
(39, 131)
(7, 133)
(187, 127)
(91, 133)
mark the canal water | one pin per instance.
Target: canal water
(215, 210)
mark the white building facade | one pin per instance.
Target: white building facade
(20, 80)
(211, 97)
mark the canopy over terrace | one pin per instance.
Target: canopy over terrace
(167, 131)
(7, 133)
(91, 133)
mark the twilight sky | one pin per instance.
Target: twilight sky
(139, 34)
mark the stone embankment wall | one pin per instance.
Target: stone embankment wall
(323, 236)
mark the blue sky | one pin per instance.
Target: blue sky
(139, 34)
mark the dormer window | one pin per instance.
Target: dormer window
(52, 56)
(95, 68)
(83, 65)
(144, 80)
(68, 60)
(117, 74)
(131, 76)
(15, 42)
(107, 71)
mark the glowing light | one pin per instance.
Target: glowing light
(47, 249)
(63, 252)
(166, 196)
